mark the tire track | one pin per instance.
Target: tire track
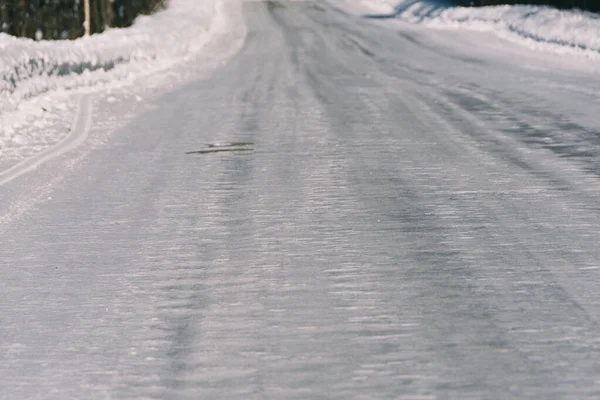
(79, 133)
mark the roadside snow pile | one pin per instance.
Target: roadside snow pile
(535, 26)
(40, 82)
(28, 68)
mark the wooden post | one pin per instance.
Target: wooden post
(87, 23)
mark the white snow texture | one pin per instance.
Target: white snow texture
(28, 68)
(537, 27)
(35, 76)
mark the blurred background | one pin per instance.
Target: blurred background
(64, 19)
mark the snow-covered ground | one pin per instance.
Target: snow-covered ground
(38, 79)
(416, 217)
(539, 28)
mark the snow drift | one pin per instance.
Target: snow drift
(537, 27)
(37, 79)
(28, 68)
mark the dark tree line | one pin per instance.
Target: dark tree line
(589, 5)
(64, 19)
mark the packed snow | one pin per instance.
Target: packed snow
(37, 76)
(537, 27)
(418, 219)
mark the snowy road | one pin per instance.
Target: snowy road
(413, 217)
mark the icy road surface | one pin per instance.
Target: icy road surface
(415, 215)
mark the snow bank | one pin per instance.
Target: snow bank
(28, 68)
(37, 79)
(537, 27)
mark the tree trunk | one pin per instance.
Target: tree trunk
(23, 17)
(108, 12)
(88, 22)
